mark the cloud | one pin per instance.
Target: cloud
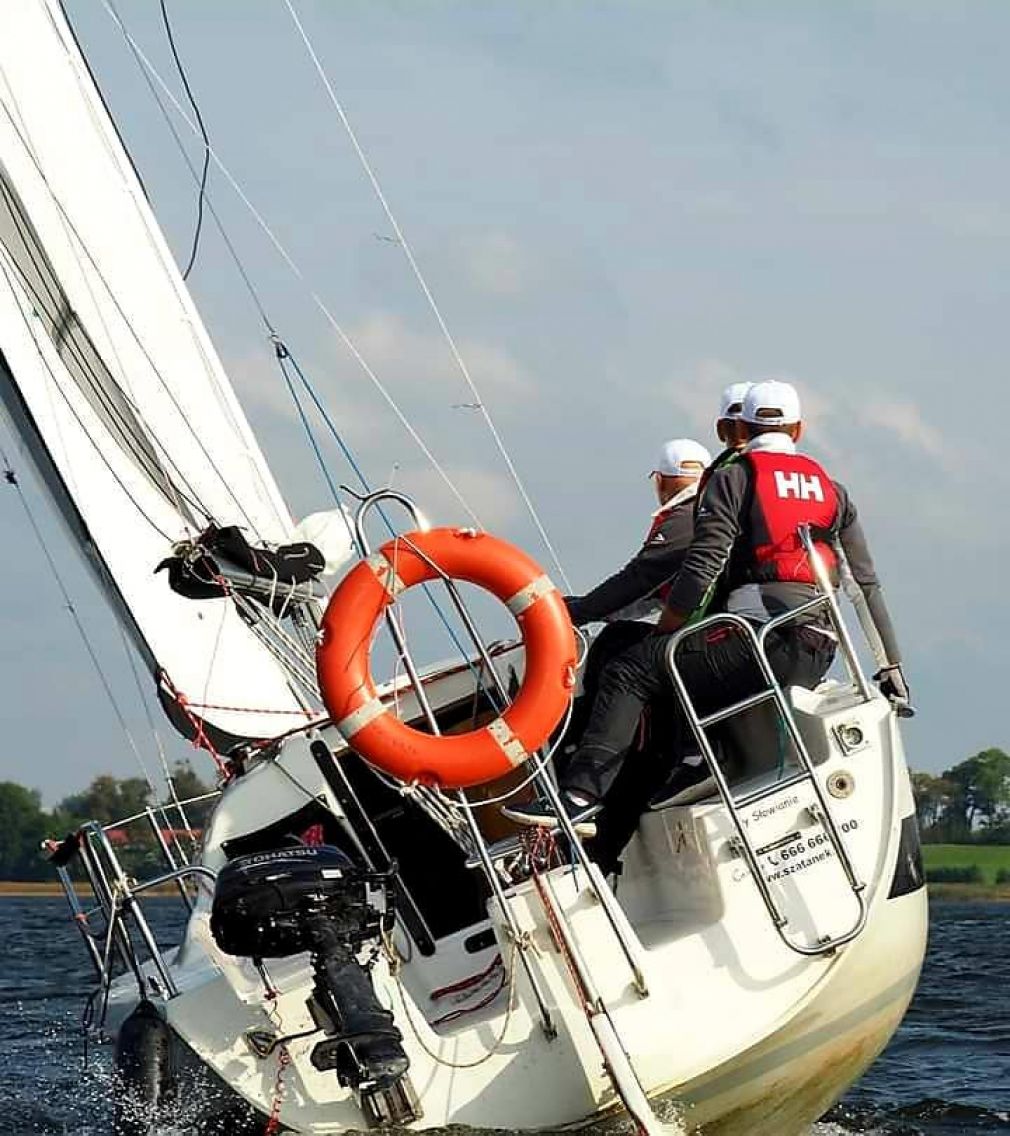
(400, 356)
(696, 393)
(968, 218)
(492, 496)
(497, 264)
(905, 421)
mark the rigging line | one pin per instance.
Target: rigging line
(70, 607)
(158, 744)
(268, 625)
(345, 449)
(436, 311)
(88, 85)
(301, 672)
(22, 228)
(160, 806)
(206, 141)
(30, 326)
(119, 430)
(200, 179)
(185, 419)
(77, 418)
(219, 224)
(280, 347)
(300, 276)
(132, 443)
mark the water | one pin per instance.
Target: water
(946, 1072)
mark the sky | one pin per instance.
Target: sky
(620, 208)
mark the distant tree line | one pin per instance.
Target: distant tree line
(25, 824)
(968, 803)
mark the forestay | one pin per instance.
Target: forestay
(109, 377)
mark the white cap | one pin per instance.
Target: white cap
(731, 403)
(682, 457)
(771, 403)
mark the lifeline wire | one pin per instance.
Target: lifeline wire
(402, 241)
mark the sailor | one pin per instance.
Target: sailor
(747, 526)
(729, 430)
(631, 599)
(637, 590)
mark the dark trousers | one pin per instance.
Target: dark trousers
(718, 668)
(612, 641)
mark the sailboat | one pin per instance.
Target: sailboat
(365, 942)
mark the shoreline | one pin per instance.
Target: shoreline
(48, 889)
(52, 889)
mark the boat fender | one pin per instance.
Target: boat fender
(144, 1070)
(371, 727)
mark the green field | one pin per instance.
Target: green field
(990, 858)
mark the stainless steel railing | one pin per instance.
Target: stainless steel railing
(111, 929)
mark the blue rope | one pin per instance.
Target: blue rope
(284, 355)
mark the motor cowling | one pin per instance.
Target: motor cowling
(263, 901)
(289, 900)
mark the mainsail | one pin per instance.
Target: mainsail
(110, 379)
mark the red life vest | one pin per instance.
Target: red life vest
(659, 519)
(790, 490)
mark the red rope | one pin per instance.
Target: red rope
(485, 1001)
(274, 1120)
(200, 739)
(544, 845)
(466, 983)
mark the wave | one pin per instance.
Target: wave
(926, 1117)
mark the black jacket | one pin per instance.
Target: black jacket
(722, 540)
(654, 565)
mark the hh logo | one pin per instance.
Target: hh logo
(798, 486)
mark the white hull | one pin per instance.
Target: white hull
(738, 1033)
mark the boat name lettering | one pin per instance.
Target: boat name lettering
(771, 810)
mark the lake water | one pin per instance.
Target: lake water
(946, 1072)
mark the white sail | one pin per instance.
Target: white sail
(111, 380)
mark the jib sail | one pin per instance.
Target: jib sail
(110, 379)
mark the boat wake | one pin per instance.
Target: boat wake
(927, 1117)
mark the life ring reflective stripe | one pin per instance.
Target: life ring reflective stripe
(373, 730)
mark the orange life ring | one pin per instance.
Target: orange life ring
(370, 726)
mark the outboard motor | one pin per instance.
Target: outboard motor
(280, 903)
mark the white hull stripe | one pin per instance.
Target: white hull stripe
(358, 719)
(384, 573)
(507, 742)
(529, 595)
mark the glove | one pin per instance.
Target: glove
(891, 680)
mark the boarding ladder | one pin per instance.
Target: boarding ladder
(812, 817)
(616, 1061)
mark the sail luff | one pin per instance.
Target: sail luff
(111, 378)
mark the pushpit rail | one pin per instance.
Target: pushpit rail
(616, 1060)
(116, 897)
(542, 778)
(772, 692)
